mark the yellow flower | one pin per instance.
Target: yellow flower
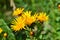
(42, 17)
(59, 6)
(27, 13)
(18, 11)
(31, 33)
(28, 18)
(18, 24)
(5, 34)
(1, 30)
(36, 15)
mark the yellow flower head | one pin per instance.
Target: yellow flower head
(18, 11)
(5, 34)
(27, 13)
(28, 18)
(42, 17)
(18, 24)
(1, 30)
(59, 6)
(36, 15)
(31, 33)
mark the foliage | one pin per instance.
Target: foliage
(49, 30)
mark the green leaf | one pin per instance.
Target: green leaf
(6, 29)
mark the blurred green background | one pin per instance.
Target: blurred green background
(49, 6)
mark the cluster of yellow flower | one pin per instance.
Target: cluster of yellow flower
(26, 18)
(5, 34)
